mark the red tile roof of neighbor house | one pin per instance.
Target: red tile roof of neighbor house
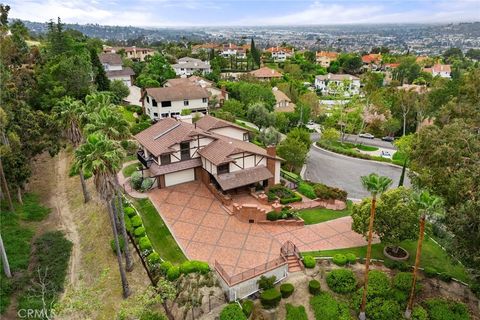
(208, 123)
(327, 54)
(279, 49)
(110, 58)
(392, 65)
(242, 178)
(177, 93)
(441, 68)
(206, 46)
(372, 57)
(266, 72)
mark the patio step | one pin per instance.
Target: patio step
(293, 264)
(294, 269)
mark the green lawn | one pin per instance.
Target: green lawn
(318, 215)
(432, 256)
(348, 145)
(158, 233)
(130, 169)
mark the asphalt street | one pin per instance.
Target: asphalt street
(344, 172)
(315, 136)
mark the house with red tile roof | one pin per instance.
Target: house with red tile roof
(266, 73)
(209, 150)
(280, 54)
(324, 58)
(441, 70)
(133, 53)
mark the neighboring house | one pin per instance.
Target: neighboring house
(214, 93)
(283, 102)
(232, 49)
(188, 66)
(372, 61)
(441, 70)
(133, 53)
(332, 84)
(266, 73)
(196, 49)
(168, 102)
(280, 53)
(324, 58)
(112, 63)
(177, 152)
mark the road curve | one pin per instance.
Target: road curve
(344, 172)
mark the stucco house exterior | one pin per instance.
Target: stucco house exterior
(332, 84)
(168, 102)
(280, 54)
(218, 94)
(283, 102)
(324, 58)
(133, 53)
(232, 49)
(112, 63)
(265, 74)
(188, 66)
(441, 70)
(212, 150)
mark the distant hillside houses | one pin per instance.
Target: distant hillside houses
(232, 49)
(112, 63)
(324, 58)
(335, 84)
(280, 54)
(188, 66)
(133, 53)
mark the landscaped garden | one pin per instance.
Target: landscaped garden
(130, 169)
(318, 215)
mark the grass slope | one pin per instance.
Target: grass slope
(318, 215)
(130, 169)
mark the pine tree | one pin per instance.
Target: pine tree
(101, 80)
(254, 53)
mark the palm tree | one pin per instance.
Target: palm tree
(69, 111)
(429, 205)
(108, 122)
(103, 158)
(376, 185)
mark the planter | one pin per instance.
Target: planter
(401, 256)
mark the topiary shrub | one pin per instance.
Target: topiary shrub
(265, 283)
(129, 211)
(153, 258)
(232, 312)
(286, 289)
(339, 259)
(121, 242)
(430, 272)
(309, 262)
(419, 313)
(136, 221)
(145, 244)
(165, 266)
(173, 273)
(351, 258)
(314, 287)
(247, 307)
(273, 216)
(139, 232)
(342, 281)
(194, 266)
(381, 309)
(270, 298)
(441, 309)
(444, 276)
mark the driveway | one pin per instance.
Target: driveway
(205, 231)
(134, 96)
(344, 172)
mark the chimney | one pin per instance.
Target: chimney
(271, 164)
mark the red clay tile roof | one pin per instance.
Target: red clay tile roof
(157, 170)
(279, 49)
(442, 68)
(177, 93)
(231, 180)
(327, 54)
(372, 57)
(266, 72)
(208, 123)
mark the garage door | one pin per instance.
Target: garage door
(172, 179)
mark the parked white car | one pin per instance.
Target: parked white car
(366, 135)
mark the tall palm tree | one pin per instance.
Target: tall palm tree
(103, 158)
(108, 122)
(429, 205)
(376, 185)
(69, 111)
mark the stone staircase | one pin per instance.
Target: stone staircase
(294, 264)
(290, 252)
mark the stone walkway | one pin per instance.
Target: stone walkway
(205, 231)
(125, 184)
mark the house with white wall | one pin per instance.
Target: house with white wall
(325, 58)
(112, 63)
(187, 66)
(166, 102)
(333, 84)
(133, 53)
(440, 70)
(215, 93)
(280, 54)
(232, 49)
(210, 151)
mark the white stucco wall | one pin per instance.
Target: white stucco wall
(277, 171)
(176, 107)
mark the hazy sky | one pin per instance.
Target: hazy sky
(245, 12)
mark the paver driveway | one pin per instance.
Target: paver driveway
(205, 231)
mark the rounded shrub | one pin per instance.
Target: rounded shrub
(136, 221)
(440, 309)
(351, 258)
(286, 289)
(342, 281)
(136, 180)
(147, 183)
(128, 224)
(153, 258)
(165, 266)
(339, 259)
(139, 232)
(378, 284)
(314, 287)
(194, 266)
(419, 313)
(129, 211)
(173, 273)
(309, 262)
(273, 216)
(145, 244)
(232, 312)
(247, 307)
(270, 298)
(430, 272)
(121, 242)
(381, 309)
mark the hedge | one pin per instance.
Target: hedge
(139, 232)
(136, 221)
(286, 289)
(153, 258)
(295, 313)
(325, 307)
(128, 224)
(314, 287)
(129, 211)
(325, 192)
(273, 216)
(232, 312)
(145, 244)
(396, 265)
(270, 298)
(339, 259)
(296, 198)
(351, 258)
(309, 262)
(190, 266)
(121, 242)
(342, 281)
(279, 191)
(165, 266)
(173, 273)
(307, 190)
(247, 307)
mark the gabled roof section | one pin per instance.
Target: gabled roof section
(266, 72)
(208, 123)
(110, 58)
(177, 93)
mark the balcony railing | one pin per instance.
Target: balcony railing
(146, 162)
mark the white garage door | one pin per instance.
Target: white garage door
(172, 179)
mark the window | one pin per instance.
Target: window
(223, 168)
(148, 99)
(166, 104)
(148, 110)
(164, 115)
(185, 150)
(204, 100)
(165, 159)
(155, 114)
(245, 136)
(154, 103)
(185, 102)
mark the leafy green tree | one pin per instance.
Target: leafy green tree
(109, 122)
(310, 56)
(407, 71)
(269, 136)
(250, 93)
(330, 135)
(156, 72)
(255, 53)
(101, 80)
(473, 54)
(4, 9)
(350, 63)
(119, 90)
(234, 107)
(294, 152)
(301, 135)
(452, 54)
(334, 67)
(260, 116)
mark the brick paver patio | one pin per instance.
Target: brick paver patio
(205, 231)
